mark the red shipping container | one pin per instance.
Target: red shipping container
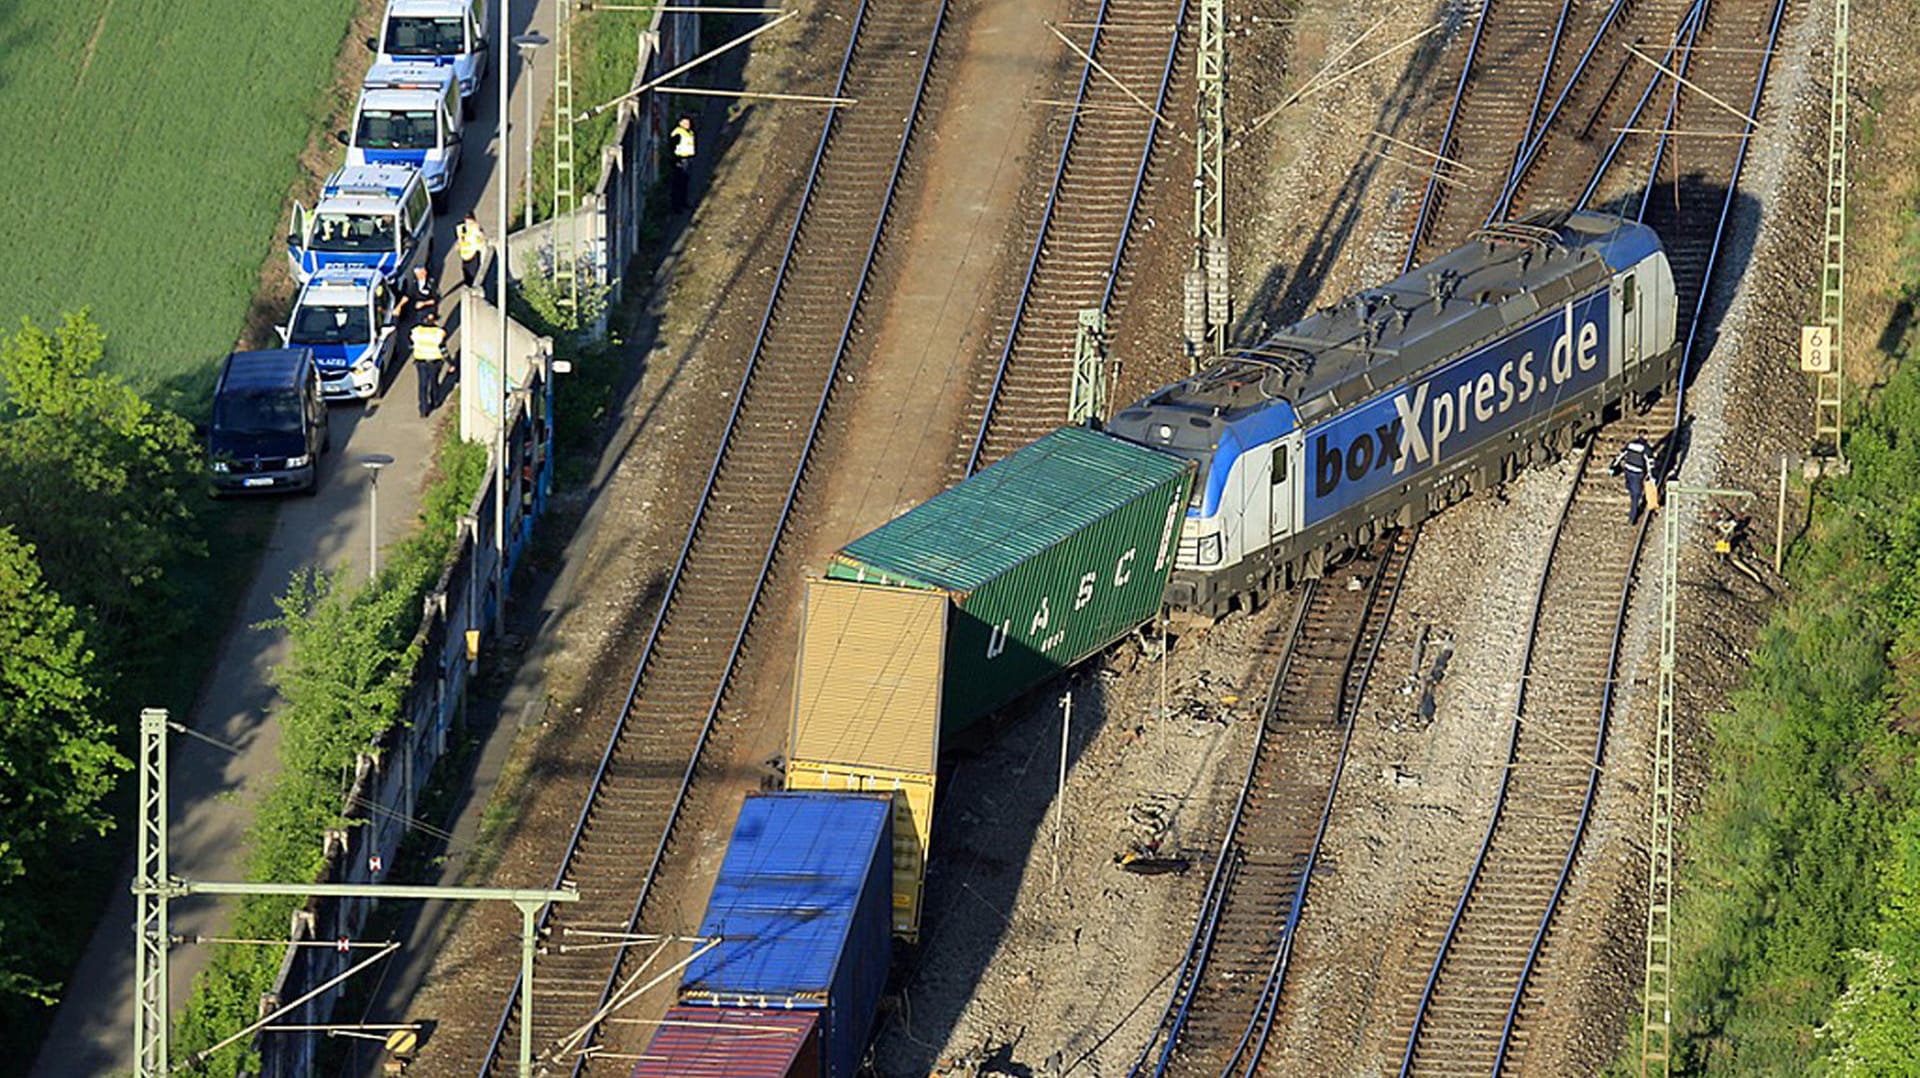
(727, 1042)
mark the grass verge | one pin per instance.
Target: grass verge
(1797, 915)
(606, 45)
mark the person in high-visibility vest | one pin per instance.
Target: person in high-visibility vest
(429, 343)
(682, 135)
(471, 243)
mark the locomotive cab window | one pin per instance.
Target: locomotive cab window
(1626, 295)
(1279, 464)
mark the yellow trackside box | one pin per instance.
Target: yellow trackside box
(912, 825)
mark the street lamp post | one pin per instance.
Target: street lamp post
(373, 462)
(528, 44)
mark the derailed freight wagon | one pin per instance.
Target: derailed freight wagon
(866, 715)
(800, 913)
(934, 619)
(1046, 557)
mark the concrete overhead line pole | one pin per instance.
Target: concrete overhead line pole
(154, 887)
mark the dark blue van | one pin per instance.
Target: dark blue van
(269, 423)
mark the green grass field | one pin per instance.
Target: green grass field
(150, 145)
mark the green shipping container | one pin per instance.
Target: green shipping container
(1047, 556)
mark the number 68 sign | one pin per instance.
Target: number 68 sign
(1816, 349)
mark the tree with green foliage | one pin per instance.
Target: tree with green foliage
(56, 758)
(95, 477)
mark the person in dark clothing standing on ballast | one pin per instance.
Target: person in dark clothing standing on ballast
(682, 136)
(1635, 462)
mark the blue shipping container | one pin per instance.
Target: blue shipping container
(803, 910)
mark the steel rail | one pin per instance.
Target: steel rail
(1356, 671)
(689, 542)
(1593, 791)
(1726, 211)
(793, 488)
(1518, 165)
(1353, 692)
(1673, 106)
(1691, 25)
(1171, 1023)
(1682, 38)
(1424, 220)
(1047, 218)
(1040, 237)
(1536, 141)
(1506, 778)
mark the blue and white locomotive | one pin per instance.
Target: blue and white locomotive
(1403, 398)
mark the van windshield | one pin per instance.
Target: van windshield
(422, 36)
(387, 129)
(352, 232)
(272, 412)
(330, 325)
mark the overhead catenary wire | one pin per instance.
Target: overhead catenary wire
(625, 996)
(289, 1007)
(1695, 87)
(412, 822)
(1110, 77)
(1312, 87)
(1682, 133)
(690, 64)
(1451, 162)
(760, 95)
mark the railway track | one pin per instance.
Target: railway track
(1520, 137)
(1230, 984)
(1103, 167)
(1567, 132)
(680, 683)
(1495, 105)
(1691, 197)
(1466, 1020)
(1477, 1010)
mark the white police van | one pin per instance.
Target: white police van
(448, 33)
(374, 216)
(409, 114)
(344, 316)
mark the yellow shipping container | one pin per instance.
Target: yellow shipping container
(867, 685)
(912, 825)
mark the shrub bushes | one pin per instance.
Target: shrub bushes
(1799, 918)
(343, 686)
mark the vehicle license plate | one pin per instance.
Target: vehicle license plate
(257, 481)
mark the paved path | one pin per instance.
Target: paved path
(213, 791)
